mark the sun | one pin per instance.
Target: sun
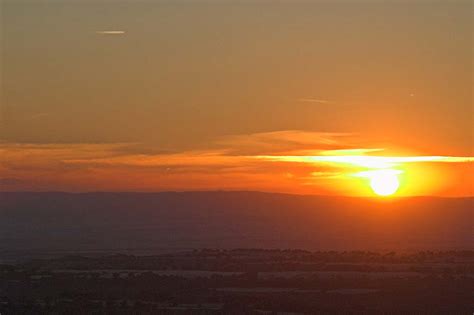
(384, 183)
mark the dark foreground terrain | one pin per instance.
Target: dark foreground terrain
(148, 223)
(243, 281)
(132, 253)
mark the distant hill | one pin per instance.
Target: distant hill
(128, 222)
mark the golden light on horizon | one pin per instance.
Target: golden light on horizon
(337, 172)
(382, 176)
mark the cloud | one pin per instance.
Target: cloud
(358, 151)
(110, 32)
(326, 174)
(314, 100)
(10, 181)
(228, 163)
(187, 158)
(51, 156)
(233, 152)
(368, 161)
(284, 141)
(284, 160)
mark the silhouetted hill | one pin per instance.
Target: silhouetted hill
(116, 222)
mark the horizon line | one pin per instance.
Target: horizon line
(232, 191)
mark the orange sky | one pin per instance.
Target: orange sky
(193, 95)
(285, 161)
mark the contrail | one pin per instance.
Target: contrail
(110, 32)
(314, 100)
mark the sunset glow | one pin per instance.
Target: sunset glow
(381, 172)
(345, 171)
(272, 97)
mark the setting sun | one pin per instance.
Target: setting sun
(384, 183)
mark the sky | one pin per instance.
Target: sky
(236, 95)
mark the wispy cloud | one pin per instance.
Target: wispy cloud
(51, 156)
(110, 32)
(368, 161)
(279, 161)
(38, 116)
(284, 141)
(314, 100)
(309, 148)
(187, 158)
(10, 181)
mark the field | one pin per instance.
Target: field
(243, 281)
